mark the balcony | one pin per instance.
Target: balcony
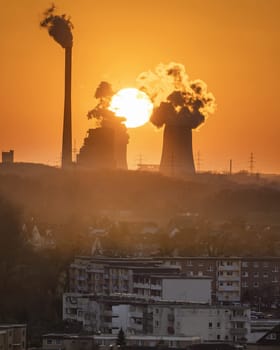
(228, 268)
(238, 331)
(238, 318)
(228, 288)
(229, 278)
(136, 314)
(156, 287)
(141, 285)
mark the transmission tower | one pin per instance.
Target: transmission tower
(198, 161)
(252, 163)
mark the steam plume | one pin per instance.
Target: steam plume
(167, 78)
(59, 27)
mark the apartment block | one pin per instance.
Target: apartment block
(233, 279)
(159, 318)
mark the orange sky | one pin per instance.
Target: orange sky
(233, 45)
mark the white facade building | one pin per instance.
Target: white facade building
(192, 290)
(158, 318)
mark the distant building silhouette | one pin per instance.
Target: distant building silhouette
(104, 148)
(8, 157)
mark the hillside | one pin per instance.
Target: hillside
(53, 195)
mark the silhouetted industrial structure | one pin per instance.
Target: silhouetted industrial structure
(104, 148)
(177, 152)
(59, 27)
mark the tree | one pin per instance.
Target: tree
(121, 341)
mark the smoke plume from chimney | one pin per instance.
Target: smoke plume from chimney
(59, 27)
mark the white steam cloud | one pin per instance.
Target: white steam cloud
(172, 77)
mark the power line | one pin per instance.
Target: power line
(198, 161)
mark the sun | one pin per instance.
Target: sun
(132, 104)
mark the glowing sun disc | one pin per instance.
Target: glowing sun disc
(132, 104)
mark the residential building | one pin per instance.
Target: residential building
(234, 279)
(138, 316)
(12, 336)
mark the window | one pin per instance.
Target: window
(256, 265)
(265, 275)
(244, 274)
(244, 264)
(256, 274)
(265, 264)
(229, 263)
(275, 269)
(210, 325)
(244, 284)
(189, 263)
(274, 279)
(49, 341)
(218, 325)
(256, 284)
(229, 273)
(218, 337)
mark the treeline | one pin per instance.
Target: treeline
(32, 282)
(53, 195)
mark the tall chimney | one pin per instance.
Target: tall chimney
(66, 160)
(59, 27)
